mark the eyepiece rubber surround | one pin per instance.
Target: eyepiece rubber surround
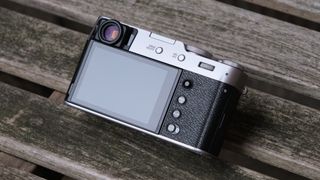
(110, 32)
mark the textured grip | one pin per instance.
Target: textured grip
(200, 123)
(222, 109)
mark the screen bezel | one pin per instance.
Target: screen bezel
(108, 116)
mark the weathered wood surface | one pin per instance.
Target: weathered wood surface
(57, 97)
(37, 51)
(86, 147)
(278, 132)
(284, 137)
(8, 173)
(16, 163)
(271, 50)
(307, 9)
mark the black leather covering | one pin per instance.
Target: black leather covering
(204, 115)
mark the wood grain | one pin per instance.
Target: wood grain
(16, 163)
(273, 51)
(8, 173)
(278, 132)
(86, 147)
(307, 9)
(37, 51)
(271, 129)
(57, 97)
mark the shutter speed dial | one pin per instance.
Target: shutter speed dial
(198, 51)
(231, 63)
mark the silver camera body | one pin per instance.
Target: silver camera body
(156, 85)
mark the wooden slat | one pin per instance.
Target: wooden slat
(267, 132)
(307, 9)
(8, 173)
(86, 147)
(57, 97)
(271, 50)
(16, 163)
(278, 132)
(37, 51)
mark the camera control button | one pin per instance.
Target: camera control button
(181, 100)
(187, 84)
(171, 128)
(159, 50)
(181, 57)
(206, 66)
(176, 114)
(174, 129)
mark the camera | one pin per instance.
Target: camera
(156, 85)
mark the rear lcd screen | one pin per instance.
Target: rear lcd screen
(124, 86)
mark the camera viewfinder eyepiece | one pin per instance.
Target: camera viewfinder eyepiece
(111, 32)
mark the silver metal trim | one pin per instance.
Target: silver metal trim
(223, 72)
(186, 146)
(231, 63)
(162, 38)
(144, 45)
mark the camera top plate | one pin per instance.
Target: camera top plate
(174, 52)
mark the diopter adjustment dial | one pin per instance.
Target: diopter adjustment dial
(198, 51)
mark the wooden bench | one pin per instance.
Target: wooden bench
(7, 173)
(267, 127)
(308, 9)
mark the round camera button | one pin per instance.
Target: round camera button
(181, 100)
(176, 114)
(159, 50)
(187, 84)
(171, 128)
(181, 57)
